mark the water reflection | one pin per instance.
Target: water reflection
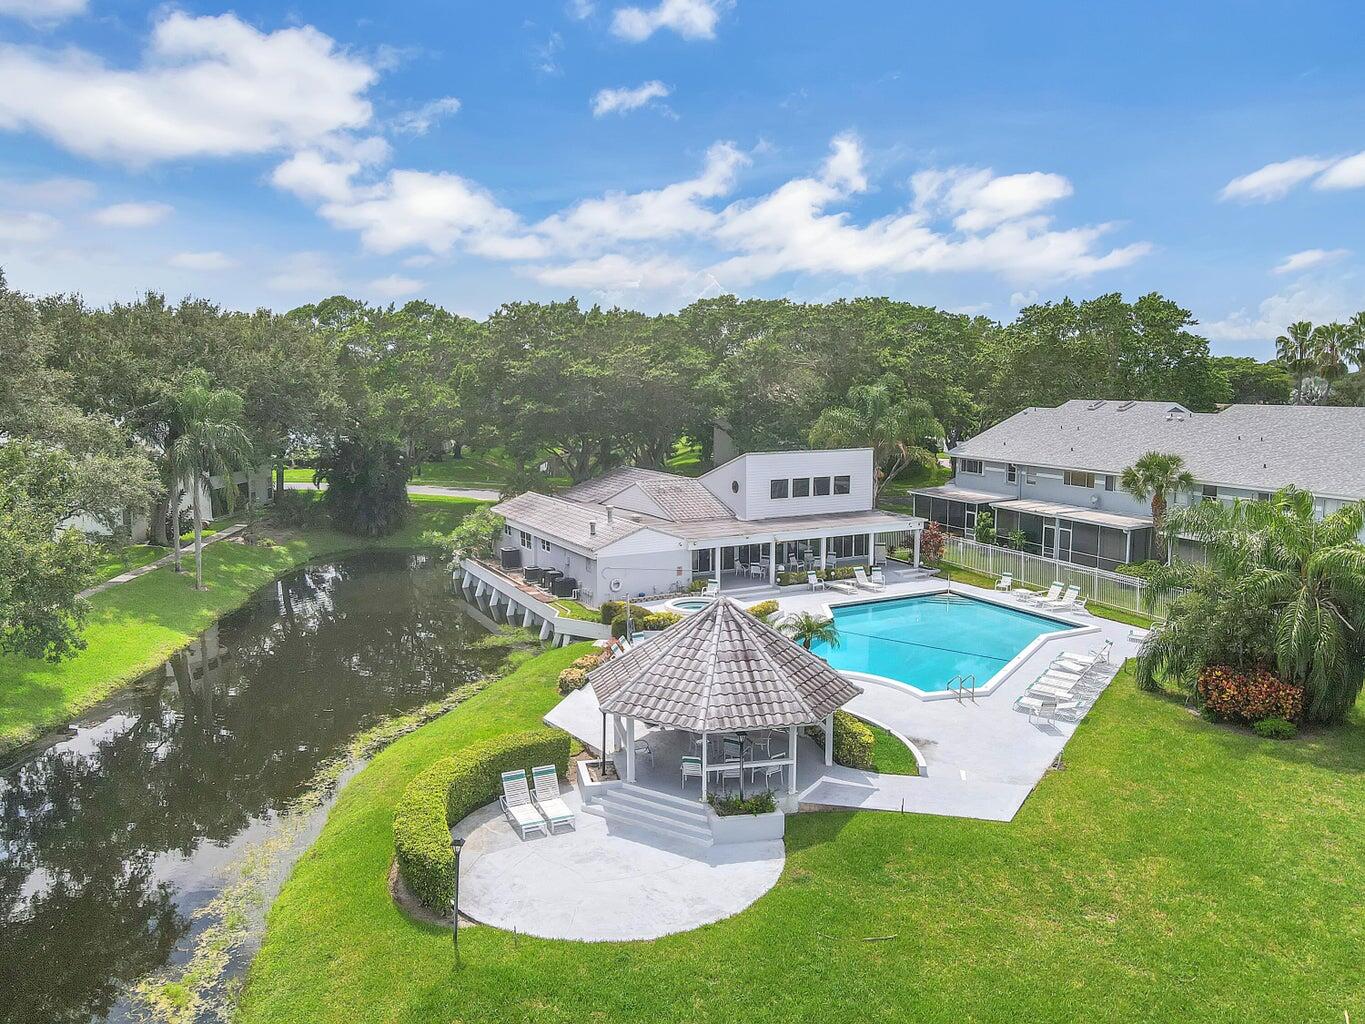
(113, 836)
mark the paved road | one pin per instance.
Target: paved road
(477, 493)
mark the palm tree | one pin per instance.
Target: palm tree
(1154, 476)
(1278, 587)
(1294, 348)
(877, 416)
(1331, 343)
(212, 442)
(1355, 349)
(808, 629)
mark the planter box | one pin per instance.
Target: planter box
(592, 791)
(745, 828)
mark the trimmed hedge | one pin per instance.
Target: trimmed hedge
(763, 609)
(645, 621)
(853, 741)
(447, 791)
(839, 572)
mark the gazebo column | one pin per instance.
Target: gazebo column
(871, 550)
(792, 733)
(704, 774)
(917, 536)
(630, 750)
(829, 739)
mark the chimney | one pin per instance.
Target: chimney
(608, 515)
(592, 528)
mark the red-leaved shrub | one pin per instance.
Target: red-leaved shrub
(931, 543)
(1249, 696)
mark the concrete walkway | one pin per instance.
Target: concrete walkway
(477, 493)
(596, 885)
(143, 570)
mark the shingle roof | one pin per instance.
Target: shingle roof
(720, 670)
(1259, 447)
(681, 499)
(569, 521)
(612, 483)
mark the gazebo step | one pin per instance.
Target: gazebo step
(633, 798)
(670, 828)
(692, 807)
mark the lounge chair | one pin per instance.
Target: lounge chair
(815, 582)
(877, 576)
(1063, 603)
(691, 768)
(1053, 592)
(843, 586)
(1005, 582)
(551, 805)
(860, 578)
(1048, 708)
(516, 804)
(1140, 635)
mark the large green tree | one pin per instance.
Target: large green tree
(900, 431)
(1277, 586)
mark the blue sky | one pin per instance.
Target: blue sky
(975, 157)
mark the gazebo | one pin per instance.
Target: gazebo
(721, 671)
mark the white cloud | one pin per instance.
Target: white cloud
(212, 260)
(424, 118)
(620, 101)
(311, 273)
(27, 227)
(48, 191)
(1346, 173)
(674, 210)
(1307, 259)
(1020, 299)
(1273, 181)
(691, 19)
(210, 86)
(615, 272)
(979, 199)
(395, 286)
(1315, 302)
(42, 13)
(131, 215)
(580, 9)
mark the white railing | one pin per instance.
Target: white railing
(1097, 585)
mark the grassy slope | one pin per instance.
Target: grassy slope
(890, 755)
(137, 625)
(1174, 871)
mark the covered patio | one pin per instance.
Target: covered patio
(720, 698)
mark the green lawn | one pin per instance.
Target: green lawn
(889, 755)
(961, 574)
(137, 625)
(577, 610)
(110, 563)
(1173, 871)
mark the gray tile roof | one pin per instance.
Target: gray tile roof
(1258, 447)
(681, 498)
(720, 670)
(612, 483)
(568, 521)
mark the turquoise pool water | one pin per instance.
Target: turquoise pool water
(926, 641)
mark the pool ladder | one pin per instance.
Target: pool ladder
(965, 685)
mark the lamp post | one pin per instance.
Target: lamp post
(456, 846)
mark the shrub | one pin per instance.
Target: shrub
(638, 615)
(931, 543)
(759, 803)
(763, 610)
(1139, 570)
(588, 662)
(841, 572)
(656, 622)
(611, 609)
(985, 527)
(697, 586)
(448, 790)
(1275, 729)
(1248, 696)
(853, 741)
(572, 678)
(295, 509)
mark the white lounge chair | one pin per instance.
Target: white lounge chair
(1065, 602)
(516, 804)
(1140, 635)
(843, 586)
(551, 804)
(860, 578)
(1053, 592)
(1090, 659)
(815, 582)
(1047, 708)
(691, 768)
(877, 576)
(1005, 582)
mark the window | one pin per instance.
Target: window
(801, 487)
(843, 484)
(969, 466)
(525, 539)
(1209, 492)
(734, 486)
(506, 530)
(544, 545)
(777, 488)
(1030, 475)
(701, 560)
(1011, 472)
(969, 518)
(1262, 495)
(821, 486)
(1075, 478)
(1109, 482)
(848, 547)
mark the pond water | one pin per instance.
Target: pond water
(114, 832)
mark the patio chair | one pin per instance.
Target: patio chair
(1064, 603)
(1047, 709)
(712, 589)
(1053, 593)
(730, 773)
(642, 748)
(815, 582)
(516, 804)
(551, 804)
(691, 768)
(860, 578)
(1087, 662)
(1005, 582)
(1140, 635)
(767, 771)
(877, 576)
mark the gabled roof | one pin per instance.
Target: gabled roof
(612, 483)
(720, 670)
(1259, 447)
(582, 526)
(680, 499)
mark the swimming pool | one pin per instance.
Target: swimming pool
(924, 642)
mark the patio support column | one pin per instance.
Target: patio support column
(917, 536)
(871, 550)
(829, 739)
(772, 562)
(792, 733)
(630, 750)
(715, 563)
(824, 550)
(704, 773)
